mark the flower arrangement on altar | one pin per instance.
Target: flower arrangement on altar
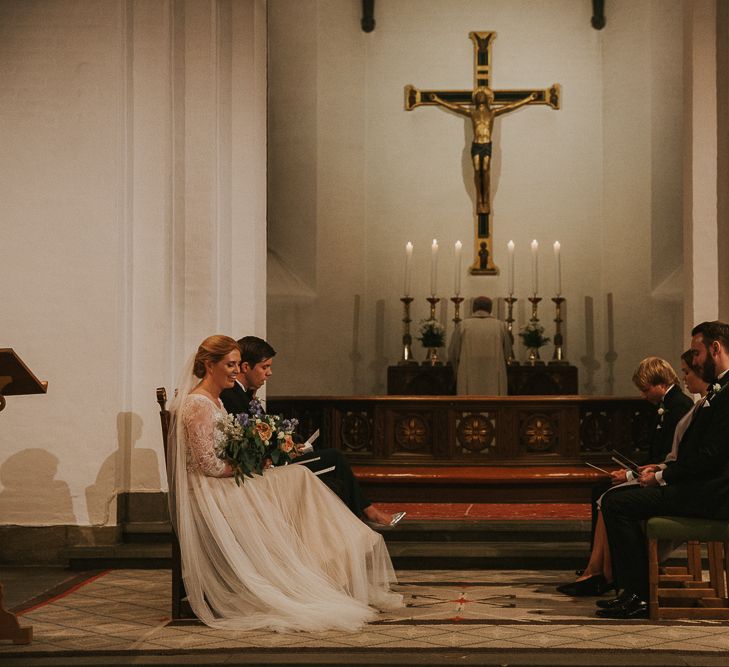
(249, 439)
(432, 333)
(533, 336)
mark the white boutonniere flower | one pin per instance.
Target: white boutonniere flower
(716, 387)
(661, 411)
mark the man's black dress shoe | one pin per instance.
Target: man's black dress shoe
(595, 585)
(614, 602)
(633, 607)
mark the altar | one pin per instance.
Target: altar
(523, 380)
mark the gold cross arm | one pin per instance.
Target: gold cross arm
(414, 97)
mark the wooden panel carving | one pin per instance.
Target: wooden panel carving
(356, 431)
(538, 433)
(413, 433)
(466, 430)
(475, 433)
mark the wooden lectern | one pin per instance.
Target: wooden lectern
(15, 379)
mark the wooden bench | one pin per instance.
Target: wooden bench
(478, 483)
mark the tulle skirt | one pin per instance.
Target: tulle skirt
(281, 552)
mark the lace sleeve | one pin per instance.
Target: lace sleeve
(199, 419)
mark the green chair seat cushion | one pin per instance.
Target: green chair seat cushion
(685, 528)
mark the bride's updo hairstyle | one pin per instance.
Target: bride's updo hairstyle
(212, 349)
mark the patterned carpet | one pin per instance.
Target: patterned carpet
(125, 612)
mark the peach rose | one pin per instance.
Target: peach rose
(264, 431)
(288, 444)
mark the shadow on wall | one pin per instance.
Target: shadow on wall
(117, 472)
(31, 495)
(588, 361)
(355, 356)
(611, 356)
(379, 362)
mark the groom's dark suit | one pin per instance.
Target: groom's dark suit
(697, 485)
(341, 480)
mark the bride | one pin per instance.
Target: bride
(281, 551)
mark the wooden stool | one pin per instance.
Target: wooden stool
(681, 592)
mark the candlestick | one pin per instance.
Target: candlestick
(457, 300)
(433, 301)
(408, 267)
(458, 248)
(533, 357)
(407, 339)
(558, 356)
(535, 267)
(434, 267)
(510, 247)
(510, 300)
(558, 267)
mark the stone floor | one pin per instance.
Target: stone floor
(452, 617)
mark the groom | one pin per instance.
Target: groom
(255, 368)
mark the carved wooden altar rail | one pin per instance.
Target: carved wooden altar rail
(473, 431)
(470, 449)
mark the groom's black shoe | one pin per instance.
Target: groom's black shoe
(632, 608)
(614, 602)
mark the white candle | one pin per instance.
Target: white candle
(535, 267)
(510, 246)
(433, 267)
(459, 247)
(558, 268)
(408, 266)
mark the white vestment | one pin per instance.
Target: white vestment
(478, 351)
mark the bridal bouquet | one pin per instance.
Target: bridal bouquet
(249, 439)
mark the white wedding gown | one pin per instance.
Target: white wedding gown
(281, 551)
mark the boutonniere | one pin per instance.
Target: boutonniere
(662, 411)
(716, 387)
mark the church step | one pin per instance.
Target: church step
(448, 531)
(146, 531)
(439, 544)
(122, 555)
(489, 555)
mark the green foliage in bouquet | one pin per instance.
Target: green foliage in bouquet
(250, 439)
(532, 335)
(432, 333)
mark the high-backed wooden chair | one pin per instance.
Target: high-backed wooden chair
(180, 606)
(682, 592)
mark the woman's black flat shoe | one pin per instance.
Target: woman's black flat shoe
(595, 585)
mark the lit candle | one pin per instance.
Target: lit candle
(535, 265)
(510, 246)
(408, 266)
(558, 268)
(459, 247)
(433, 267)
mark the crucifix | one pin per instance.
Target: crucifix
(482, 105)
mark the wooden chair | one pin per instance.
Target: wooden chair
(181, 609)
(681, 592)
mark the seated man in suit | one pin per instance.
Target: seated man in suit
(255, 368)
(696, 484)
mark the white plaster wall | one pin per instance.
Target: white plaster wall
(133, 186)
(592, 175)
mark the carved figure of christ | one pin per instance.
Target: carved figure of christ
(482, 105)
